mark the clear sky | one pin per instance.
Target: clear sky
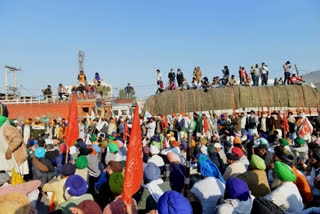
(127, 40)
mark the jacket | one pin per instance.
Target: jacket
(171, 76)
(180, 77)
(11, 142)
(235, 206)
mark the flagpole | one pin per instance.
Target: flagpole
(67, 153)
(188, 165)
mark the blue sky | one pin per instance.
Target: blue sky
(126, 41)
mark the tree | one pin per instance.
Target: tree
(123, 95)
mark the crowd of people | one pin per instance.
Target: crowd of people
(251, 78)
(241, 163)
(83, 87)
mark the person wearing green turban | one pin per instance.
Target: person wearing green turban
(81, 164)
(113, 153)
(283, 142)
(300, 149)
(256, 177)
(116, 180)
(113, 147)
(286, 195)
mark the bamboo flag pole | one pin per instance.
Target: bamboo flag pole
(188, 165)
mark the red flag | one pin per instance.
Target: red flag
(305, 128)
(285, 123)
(73, 126)
(134, 171)
(125, 131)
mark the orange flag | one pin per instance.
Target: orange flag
(285, 123)
(73, 126)
(134, 171)
(125, 131)
(305, 128)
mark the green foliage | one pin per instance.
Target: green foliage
(123, 95)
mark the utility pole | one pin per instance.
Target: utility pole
(81, 59)
(13, 69)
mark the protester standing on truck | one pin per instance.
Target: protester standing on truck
(286, 68)
(179, 77)
(82, 78)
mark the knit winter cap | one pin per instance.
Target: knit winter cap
(113, 147)
(151, 172)
(68, 169)
(76, 185)
(40, 152)
(257, 162)
(172, 202)
(283, 142)
(116, 182)
(89, 207)
(81, 162)
(283, 172)
(237, 189)
(299, 141)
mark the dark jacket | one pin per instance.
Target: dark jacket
(172, 76)
(180, 77)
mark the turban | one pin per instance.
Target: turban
(175, 143)
(85, 151)
(299, 141)
(209, 169)
(201, 158)
(257, 162)
(171, 133)
(40, 152)
(111, 138)
(232, 156)
(92, 139)
(171, 139)
(113, 147)
(172, 202)
(96, 148)
(30, 142)
(115, 166)
(63, 148)
(237, 140)
(89, 207)
(76, 185)
(237, 189)
(81, 162)
(68, 169)
(154, 150)
(263, 141)
(151, 172)
(155, 143)
(116, 182)
(120, 143)
(237, 151)
(227, 144)
(183, 146)
(283, 142)
(104, 144)
(283, 172)
(173, 157)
